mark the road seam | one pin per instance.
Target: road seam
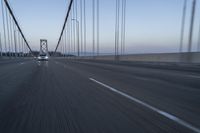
(163, 113)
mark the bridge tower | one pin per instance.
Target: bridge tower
(43, 46)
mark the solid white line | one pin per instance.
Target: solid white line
(140, 78)
(193, 76)
(21, 63)
(163, 113)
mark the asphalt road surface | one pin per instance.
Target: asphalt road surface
(80, 96)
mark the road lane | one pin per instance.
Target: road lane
(163, 113)
(57, 96)
(175, 74)
(11, 76)
(177, 99)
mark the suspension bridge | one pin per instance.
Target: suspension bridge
(82, 89)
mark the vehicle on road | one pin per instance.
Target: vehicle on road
(43, 57)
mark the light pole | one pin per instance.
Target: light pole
(77, 25)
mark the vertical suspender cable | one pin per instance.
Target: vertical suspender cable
(97, 27)
(26, 51)
(21, 43)
(117, 28)
(0, 45)
(25, 48)
(118, 9)
(8, 33)
(4, 27)
(183, 25)
(22, 47)
(15, 42)
(62, 42)
(191, 26)
(84, 13)
(65, 41)
(198, 47)
(11, 35)
(81, 24)
(18, 36)
(74, 29)
(78, 47)
(76, 9)
(124, 29)
(60, 50)
(71, 30)
(68, 38)
(76, 17)
(93, 27)
(21, 39)
(61, 46)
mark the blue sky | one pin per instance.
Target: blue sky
(152, 25)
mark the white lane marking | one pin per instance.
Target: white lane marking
(194, 76)
(58, 63)
(22, 63)
(140, 78)
(163, 113)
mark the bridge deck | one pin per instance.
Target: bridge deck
(62, 96)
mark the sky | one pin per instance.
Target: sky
(152, 26)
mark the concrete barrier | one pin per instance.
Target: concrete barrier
(193, 57)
